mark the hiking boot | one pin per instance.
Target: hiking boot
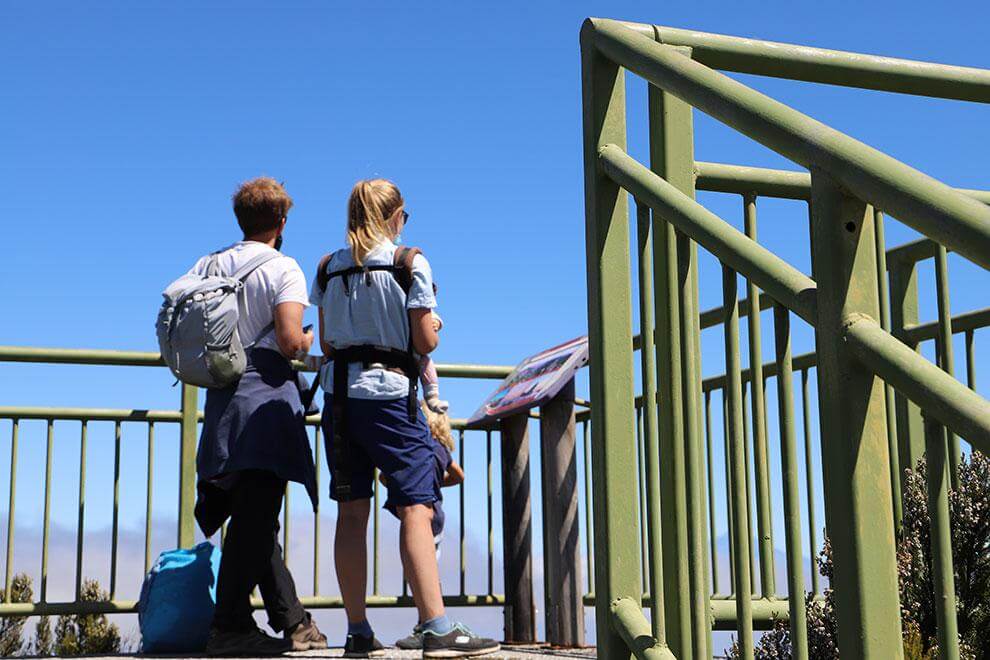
(305, 636)
(413, 642)
(359, 646)
(458, 643)
(251, 642)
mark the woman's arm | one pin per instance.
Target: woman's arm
(425, 339)
(289, 336)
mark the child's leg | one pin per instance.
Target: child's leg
(428, 377)
(431, 385)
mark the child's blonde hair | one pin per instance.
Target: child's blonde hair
(439, 424)
(372, 203)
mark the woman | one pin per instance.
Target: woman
(374, 320)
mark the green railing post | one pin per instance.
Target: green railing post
(188, 438)
(617, 569)
(671, 156)
(853, 430)
(904, 313)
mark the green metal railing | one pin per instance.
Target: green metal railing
(881, 403)
(187, 418)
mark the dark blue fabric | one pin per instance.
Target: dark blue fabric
(380, 434)
(257, 424)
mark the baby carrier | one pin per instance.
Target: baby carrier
(403, 361)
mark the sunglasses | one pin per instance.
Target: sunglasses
(405, 218)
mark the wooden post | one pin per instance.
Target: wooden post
(517, 533)
(564, 609)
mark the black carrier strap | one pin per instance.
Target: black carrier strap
(405, 361)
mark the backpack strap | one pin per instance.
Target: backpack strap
(252, 265)
(322, 273)
(403, 266)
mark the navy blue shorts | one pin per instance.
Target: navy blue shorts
(380, 434)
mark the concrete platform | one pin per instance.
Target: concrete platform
(514, 652)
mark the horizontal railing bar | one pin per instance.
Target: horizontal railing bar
(776, 277)
(766, 182)
(743, 180)
(923, 203)
(90, 414)
(712, 317)
(93, 356)
(798, 363)
(913, 252)
(765, 611)
(965, 322)
(936, 392)
(130, 606)
(635, 631)
(832, 67)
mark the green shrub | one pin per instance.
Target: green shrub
(12, 627)
(87, 634)
(969, 513)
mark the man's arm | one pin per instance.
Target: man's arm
(288, 330)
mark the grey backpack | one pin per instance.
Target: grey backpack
(197, 324)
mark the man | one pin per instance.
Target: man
(254, 439)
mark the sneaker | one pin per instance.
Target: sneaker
(413, 642)
(245, 643)
(359, 646)
(458, 643)
(305, 636)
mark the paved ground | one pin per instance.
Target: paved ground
(507, 653)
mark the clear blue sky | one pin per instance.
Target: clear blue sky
(125, 128)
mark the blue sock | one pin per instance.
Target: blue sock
(440, 625)
(363, 629)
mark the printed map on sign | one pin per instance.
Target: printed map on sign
(535, 381)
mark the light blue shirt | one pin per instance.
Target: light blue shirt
(374, 315)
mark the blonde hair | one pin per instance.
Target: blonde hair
(372, 203)
(439, 424)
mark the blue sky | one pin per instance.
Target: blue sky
(125, 128)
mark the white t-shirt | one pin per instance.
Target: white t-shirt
(273, 283)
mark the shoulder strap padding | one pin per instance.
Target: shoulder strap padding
(403, 262)
(322, 276)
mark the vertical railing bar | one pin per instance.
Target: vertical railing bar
(80, 524)
(809, 478)
(491, 530)
(888, 392)
(945, 351)
(9, 571)
(740, 503)
(709, 462)
(588, 522)
(47, 514)
(764, 523)
(461, 538)
(970, 361)
(148, 500)
(115, 524)
(698, 605)
(641, 513)
(316, 514)
(748, 457)
(729, 489)
(936, 451)
(789, 476)
(653, 570)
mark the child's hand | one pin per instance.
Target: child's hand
(454, 475)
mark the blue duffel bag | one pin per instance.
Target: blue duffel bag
(177, 600)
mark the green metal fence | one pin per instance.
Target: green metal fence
(881, 404)
(187, 418)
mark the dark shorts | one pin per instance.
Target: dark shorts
(380, 434)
